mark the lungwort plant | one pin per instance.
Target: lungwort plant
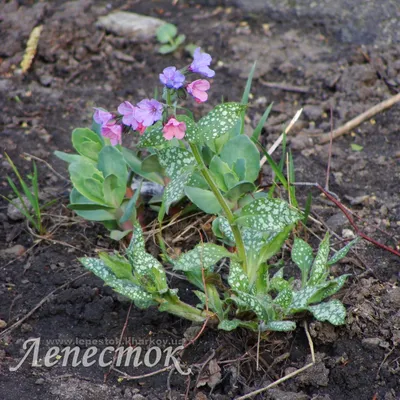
(214, 166)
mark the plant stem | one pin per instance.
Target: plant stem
(228, 213)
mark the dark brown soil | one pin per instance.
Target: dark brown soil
(77, 67)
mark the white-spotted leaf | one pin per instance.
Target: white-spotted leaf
(175, 188)
(279, 326)
(217, 122)
(319, 268)
(272, 215)
(343, 252)
(175, 160)
(204, 255)
(302, 256)
(237, 279)
(333, 311)
(153, 136)
(284, 298)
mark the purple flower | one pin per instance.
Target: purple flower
(200, 64)
(101, 116)
(149, 111)
(172, 78)
(113, 131)
(130, 115)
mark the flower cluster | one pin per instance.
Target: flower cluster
(149, 111)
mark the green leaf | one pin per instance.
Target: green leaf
(218, 122)
(88, 181)
(118, 235)
(319, 269)
(343, 252)
(111, 162)
(175, 189)
(179, 39)
(279, 326)
(204, 199)
(87, 143)
(135, 164)
(257, 132)
(332, 311)
(356, 147)
(192, 130)
(167, 48)
(284, 298)
(241, 147)
(166, 33)
(253, 303)
(328, 289)
(125, 287)
(237, 279)
(302, 256)
(152, 164)
(175, 159)
(67, 157)
(239, 190)
(219, 169)
(114, 191)
(153, 136)
(230, 325)
(119, 266)
(130, 207)
(268, 215)
(204, 255)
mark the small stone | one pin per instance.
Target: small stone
(39, 381)
(46, 80)
(313, 112)
(16, 251)
(3, 324)
(26, 328)
(348, 234)
(301, 142)
(371, 343)
(138, 397)
(14, 213)
(138, 28)
(336, 221)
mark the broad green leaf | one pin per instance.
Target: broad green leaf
(278, 283)
(144, 264)
(67, 157)
(231, 179)
(343, 251)
(253, 303)
(328, 288)
(135, 164)
(180, 39)
(274, 244)
(284, 298)
(302, 256)
(96, 215)
(114, 191)
(111, 162)
(332, 311)
(237, 279)
(87, 143)
(268, 215)
(239, 190)
(230, 325)
(166, 32)
(218, 122)
(242, 148)
(152, 164)
(218, 170)
(175, 189)
(119, 265)
(167, 48)
(129, 207)
(204, 255)
(320, 268)
(88, 181)
(125, 287)
(204, 199)
(153, 136)
(175, 159)
(279, 326)
(118, 235)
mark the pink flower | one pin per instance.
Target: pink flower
(198, 90)
(101, 116)
(113, 131)
(174, 128)
(130, 115)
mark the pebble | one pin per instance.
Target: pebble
(138, 28)
(16, 250)
(39, 381)
(3, 324)
(313, 112)
(26, 328)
